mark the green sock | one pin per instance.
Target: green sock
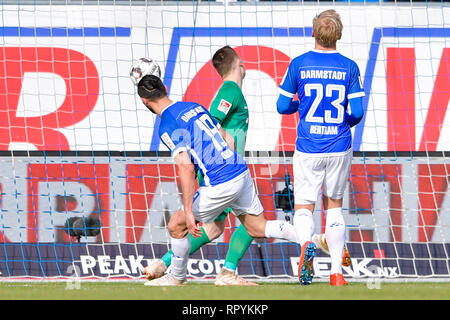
(167, 258)
(239, 243)
(196, 243)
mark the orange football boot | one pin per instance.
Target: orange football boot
(337, 280)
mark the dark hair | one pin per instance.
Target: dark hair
(151, 87)
(223, 60)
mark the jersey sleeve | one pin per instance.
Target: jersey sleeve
(288, 86)
(355, 84)
(173, 137)
(357, 111)
(224, 103)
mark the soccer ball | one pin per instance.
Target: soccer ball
(143, 67)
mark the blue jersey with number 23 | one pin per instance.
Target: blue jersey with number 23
(324, 82)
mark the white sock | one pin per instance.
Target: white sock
(304, 225)
(335, 235)
(180, 256)
(281, 230)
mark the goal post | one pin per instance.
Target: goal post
(87, 189)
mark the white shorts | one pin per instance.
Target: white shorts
(239, 194)
(312, 171)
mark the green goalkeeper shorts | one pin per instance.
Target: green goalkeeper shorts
(225, 212)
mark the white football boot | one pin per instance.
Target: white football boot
(167, 280)
(230, 278)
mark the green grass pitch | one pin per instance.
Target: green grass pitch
(207, 291)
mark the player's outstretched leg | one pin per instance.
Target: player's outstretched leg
(257, 226)
(239, 243)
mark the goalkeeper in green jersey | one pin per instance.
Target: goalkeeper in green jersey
(230, 109)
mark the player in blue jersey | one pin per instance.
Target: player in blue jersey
(197, 142)
(326, 83)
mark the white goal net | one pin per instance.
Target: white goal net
(77, 142)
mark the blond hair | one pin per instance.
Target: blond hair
(327, 27)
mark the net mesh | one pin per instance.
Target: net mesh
(87, 189)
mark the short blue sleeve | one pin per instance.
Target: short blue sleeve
(288, 86)
(173, 136)
(355, 89)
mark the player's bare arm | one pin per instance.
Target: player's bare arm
(228, 139)
(187, 185)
